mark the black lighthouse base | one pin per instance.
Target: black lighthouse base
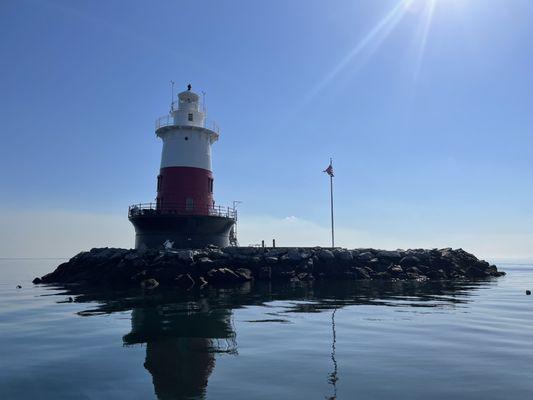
(153, 230)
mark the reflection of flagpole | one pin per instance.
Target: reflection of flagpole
(333, 376)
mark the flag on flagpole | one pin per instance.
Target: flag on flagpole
(329, 170)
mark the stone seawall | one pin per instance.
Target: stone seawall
(113, 267)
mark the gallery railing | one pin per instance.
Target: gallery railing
(168, 120)
(146, 209)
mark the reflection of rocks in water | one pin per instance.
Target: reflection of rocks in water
(317, 296)
(326, 296)
(184, 331)
(182, 340)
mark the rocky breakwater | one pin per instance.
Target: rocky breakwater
(113, 267)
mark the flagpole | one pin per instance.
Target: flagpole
(331, 200)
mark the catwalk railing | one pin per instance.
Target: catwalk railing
(147, 209)
(168, 120)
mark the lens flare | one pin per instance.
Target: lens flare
(424, 10)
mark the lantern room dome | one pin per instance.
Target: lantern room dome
(188, 96)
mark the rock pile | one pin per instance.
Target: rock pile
(187, 268)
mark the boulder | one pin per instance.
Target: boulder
(343, 255)
(241, 258)
(412, 270)
(120, 253)
(376, 265)
(223, 275)
(106, 253)
(325, 255)
(474, 272)
(139, 276)
(382, 276)
(204, 261)
(244, 251)
(202, 282)
(437, 274)
(365, 257)
(394, 256)
(283, 273)
(275, 252)
(186, 255)
(216, 254)
(185, 281)
(149, 284)
(271, 260)
(409, 261)
(244, 273)
(395, 271)
(492, 269)
(418, 278)
(264, 273)
(294, 254)
(197, 254)
(306, 277)
(362, 273)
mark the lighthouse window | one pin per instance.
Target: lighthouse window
(189, 204)
(210, 185)
(190, 117)
(159, 179)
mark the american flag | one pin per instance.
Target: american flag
(329, 170)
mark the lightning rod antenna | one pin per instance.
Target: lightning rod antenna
(204, 109)
(172, 96)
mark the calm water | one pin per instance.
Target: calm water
(389, 341)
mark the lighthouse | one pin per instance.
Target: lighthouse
(184, 214)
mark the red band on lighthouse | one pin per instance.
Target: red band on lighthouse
(185, 189)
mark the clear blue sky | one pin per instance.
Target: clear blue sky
(424, 105)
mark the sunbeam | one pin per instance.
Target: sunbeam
(373, 38)
(424, 11)
(429, 11)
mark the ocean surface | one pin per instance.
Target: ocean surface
(324, 341)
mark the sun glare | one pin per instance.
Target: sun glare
(422, 11)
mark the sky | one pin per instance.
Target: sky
(424, 105)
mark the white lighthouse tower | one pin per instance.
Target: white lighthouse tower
(184, 212)
(185, 182)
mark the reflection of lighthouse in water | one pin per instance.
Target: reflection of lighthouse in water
(181, 345)
(184, 332)
(184, 212)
